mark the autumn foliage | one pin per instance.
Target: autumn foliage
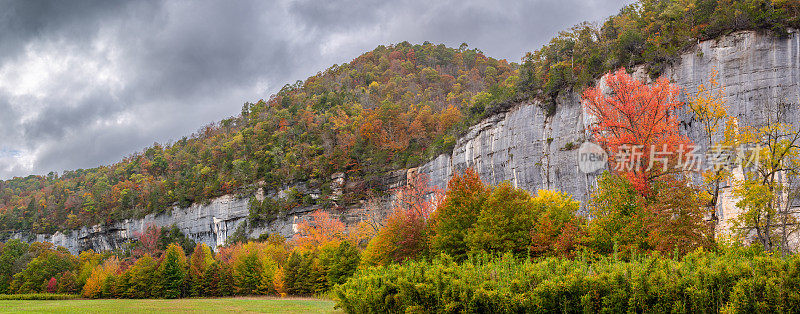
(318, 229)
(670, 220)
(636, 123)
(476, 218)
(559, 230)
(465, 198)
(404, 233)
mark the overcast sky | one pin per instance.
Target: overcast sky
(84, 84)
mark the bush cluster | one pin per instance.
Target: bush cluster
(730, 280)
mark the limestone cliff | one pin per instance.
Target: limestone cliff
(534, 151)
(524, 146)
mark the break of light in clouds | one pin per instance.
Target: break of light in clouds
(86, 83)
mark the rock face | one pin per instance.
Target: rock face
(524, 146)
(757, 72)
(533, 151)
(211, 224)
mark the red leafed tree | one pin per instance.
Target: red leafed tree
(418, 197)
(636, 123)
(52, 285)
(148, 241)
(404, 232)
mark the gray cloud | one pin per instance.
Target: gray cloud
(85, 83)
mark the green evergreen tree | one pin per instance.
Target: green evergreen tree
(291, 272)
(211, 281)
(266, 284)
(173, 272)
(310, 276)
(226, 281)
(248, 274)
(122, 285)
(143, 278)
(109, 286)
(318, 275)
(343, 264)
(200, 260)
(67, 283)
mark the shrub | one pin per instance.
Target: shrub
(733, 279)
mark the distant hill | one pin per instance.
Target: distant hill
(389, 108)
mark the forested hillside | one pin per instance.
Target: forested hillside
(391, 108)
(388, 109)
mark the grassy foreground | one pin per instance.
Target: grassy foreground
(251, 305)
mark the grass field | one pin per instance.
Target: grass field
(247, 305)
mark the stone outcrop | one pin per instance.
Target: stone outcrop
(209, 223)
(524, 146)
(533, 151)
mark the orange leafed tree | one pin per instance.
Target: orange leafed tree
(321, 228)
(636, 123)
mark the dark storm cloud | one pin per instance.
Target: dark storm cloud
(79, 22)
(86, 83)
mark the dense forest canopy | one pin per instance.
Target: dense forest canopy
(391, 108)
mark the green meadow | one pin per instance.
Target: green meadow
(245, 305)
